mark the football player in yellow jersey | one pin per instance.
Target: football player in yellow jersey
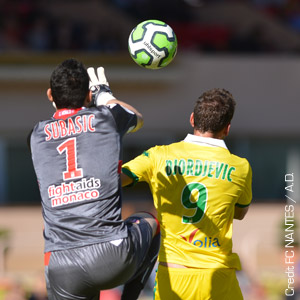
(198, 188)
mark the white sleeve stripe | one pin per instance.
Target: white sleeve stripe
(128, 110)
(111, 105)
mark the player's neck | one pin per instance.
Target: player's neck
(207, 134)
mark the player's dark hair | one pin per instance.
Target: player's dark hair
(69, 84)
(213, 110)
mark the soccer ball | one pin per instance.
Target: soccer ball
(152, 44)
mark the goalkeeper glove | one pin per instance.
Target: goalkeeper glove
(99, 86)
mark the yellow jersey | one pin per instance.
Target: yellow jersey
(196, 184)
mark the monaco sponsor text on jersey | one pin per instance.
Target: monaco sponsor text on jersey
(70, 126)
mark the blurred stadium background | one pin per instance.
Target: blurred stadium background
(250, 47)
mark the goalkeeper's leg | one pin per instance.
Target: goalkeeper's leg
(134, 286)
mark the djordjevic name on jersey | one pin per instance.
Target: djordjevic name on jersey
(197, 167)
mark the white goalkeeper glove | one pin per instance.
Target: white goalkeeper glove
(99, 86)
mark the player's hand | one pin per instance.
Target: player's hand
(99, 86)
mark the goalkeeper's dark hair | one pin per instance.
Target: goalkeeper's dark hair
(213, 110)
(69, 84)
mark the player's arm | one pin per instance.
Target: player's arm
(139, 169)
(126, 180)
(240, 212)
(140, 120)
(102, 95)
(242, 205)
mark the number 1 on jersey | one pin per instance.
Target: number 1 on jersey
(71, 159)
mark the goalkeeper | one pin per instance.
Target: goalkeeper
(77, 159)
(198, 188)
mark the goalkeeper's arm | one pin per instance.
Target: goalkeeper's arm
(140, 120)
(102, 95)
